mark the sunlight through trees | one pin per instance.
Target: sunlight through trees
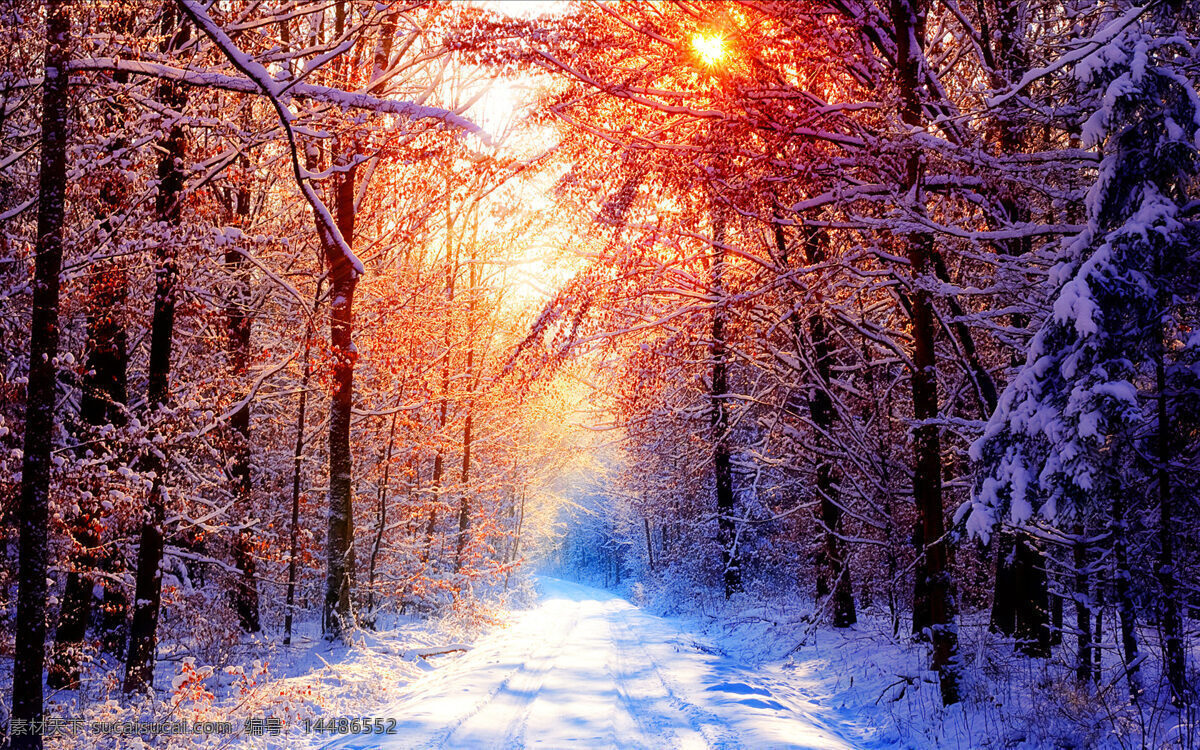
(324, 318)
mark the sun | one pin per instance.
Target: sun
(709, 47)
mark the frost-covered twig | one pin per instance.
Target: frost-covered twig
(330, 235)
(275, 91)
(1085, 50)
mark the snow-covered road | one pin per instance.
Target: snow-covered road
(586, 669)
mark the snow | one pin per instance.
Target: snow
(1076, 303)
(585, 668)
(1086, 56)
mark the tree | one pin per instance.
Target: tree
(103, 402)
(719, 416)
(239, 320)
(143, 629)
(1088, 419)
(29, 656)
(933, 600)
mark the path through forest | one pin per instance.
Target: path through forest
(584, 668)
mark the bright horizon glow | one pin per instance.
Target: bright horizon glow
(709, 47)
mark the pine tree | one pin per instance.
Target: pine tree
(1092, 417)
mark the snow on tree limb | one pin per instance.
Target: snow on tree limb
(276, 91)
(251, 85)
(1085, 50)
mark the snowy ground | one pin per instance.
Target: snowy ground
(257, 679)
(587, 669)
(579, 667)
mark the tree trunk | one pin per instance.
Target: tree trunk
(933, 603)
(30, 635)
(103, 395)
(1021, 583)
(340, 542)
(443, 409)
(1033, 601)
(1083, 610)
(1174, 661)
(1056, 619)
(343, 279)
(893, 539)
(143, 632)
(382, 513)
(435, 482)
(239, 319)
(649, 544)
(297, 464)
(379, 66)
(1007, 586)
(1021, 602)
(464, 510)
(516, 545)
(722, 461)
(822, 413)
(1126, 611)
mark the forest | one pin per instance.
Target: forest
(722, 352)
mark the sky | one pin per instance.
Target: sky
(505, 97)
(503, 103)
(524, 8)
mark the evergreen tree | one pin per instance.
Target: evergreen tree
(1096, 415)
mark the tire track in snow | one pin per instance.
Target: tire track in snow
(519, 739)
(585, 669)
(659, 730)
(534, 677)
(514, 733)
(712, 728)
